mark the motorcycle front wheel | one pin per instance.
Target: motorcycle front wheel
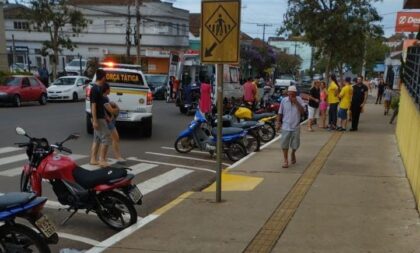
(18, 238)
(116, 210)
(25, 182)
(236, 151)
(267, 132)
(252, 142)
(184, 145)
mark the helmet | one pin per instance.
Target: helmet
(243, 113)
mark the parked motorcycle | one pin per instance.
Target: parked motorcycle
(15, 237)
(108, 192)
(267, 132)
(253, 142)
(195, 136)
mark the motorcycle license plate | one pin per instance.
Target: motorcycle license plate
(45, 226)
(135, 194)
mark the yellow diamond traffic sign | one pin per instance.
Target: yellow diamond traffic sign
(220, 28)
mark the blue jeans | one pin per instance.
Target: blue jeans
(332, 115)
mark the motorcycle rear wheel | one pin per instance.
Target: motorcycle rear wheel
(18, 238)
(236, 151)
(184, 145)
(267, 132)
(115, 209)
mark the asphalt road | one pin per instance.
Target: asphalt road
(164, 174)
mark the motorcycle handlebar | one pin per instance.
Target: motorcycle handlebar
(61, 148)
(21, 145)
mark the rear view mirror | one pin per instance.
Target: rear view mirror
(74, 137)
(20, 131)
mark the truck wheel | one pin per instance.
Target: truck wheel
(89, 127)
(147, 128)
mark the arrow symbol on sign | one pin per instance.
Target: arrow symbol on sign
(209, 51)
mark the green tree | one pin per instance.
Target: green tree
(54, 17)
(287, 63)
(337, 28)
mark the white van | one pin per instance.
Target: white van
(129, 90)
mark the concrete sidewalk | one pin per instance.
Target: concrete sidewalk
(347, 193)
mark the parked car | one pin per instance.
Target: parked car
(73, 68)
(318, 77)
(68, 88)
(20, 88)
(158, 84)
(284, 81)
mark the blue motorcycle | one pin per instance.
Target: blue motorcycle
(198, 136)
(18, 238)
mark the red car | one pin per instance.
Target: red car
(18, 88)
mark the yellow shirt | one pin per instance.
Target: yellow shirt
(345, 95)
(332, 98)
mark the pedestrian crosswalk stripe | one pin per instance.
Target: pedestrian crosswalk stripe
(141, 167)
(162, 180)
(8, 149)
(16, 171)
(12, 159)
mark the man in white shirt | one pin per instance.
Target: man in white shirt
(288, 119)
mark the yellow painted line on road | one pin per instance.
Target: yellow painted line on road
(172, 204)
(231, 182)
(267, 237)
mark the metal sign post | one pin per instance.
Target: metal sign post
(219, 132)
(220, 28)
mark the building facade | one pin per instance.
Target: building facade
(299, 48)
(163, 28)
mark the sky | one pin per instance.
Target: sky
(271, 12)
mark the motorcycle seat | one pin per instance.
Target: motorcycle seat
(91, 178)
(257, 117)
(245, 124)
(14, 199)
(227, 131)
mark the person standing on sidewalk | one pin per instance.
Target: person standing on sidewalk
(313, 109)
(381, 89)
(346, 97)
(205, 96)
(387, 99)
(333, 91)
(102, 134)
(288, 119)
(360, 95)
(323, 105)
(250, 92)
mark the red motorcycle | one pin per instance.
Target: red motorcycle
(108, 192)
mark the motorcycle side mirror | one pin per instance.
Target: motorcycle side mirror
(74, 136)
(20, 131)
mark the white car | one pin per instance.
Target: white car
(68, 88)
(73, 67)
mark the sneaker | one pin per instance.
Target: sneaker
(352, 130)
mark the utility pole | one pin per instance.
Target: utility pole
(4, 66)
(128, 31)
(138, 36)
(264, 26)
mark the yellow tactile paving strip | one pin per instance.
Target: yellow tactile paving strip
(269, 234)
